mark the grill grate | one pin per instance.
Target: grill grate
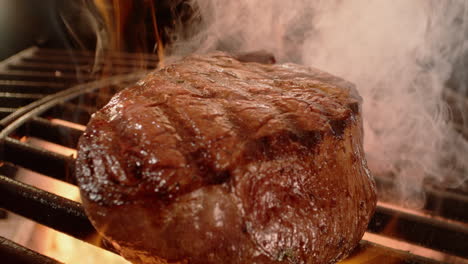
(14, 253)
(35, 86)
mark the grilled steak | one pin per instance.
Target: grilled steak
(213, 160)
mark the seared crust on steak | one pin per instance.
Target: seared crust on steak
(213, 160)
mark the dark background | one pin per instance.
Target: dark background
(24, 23)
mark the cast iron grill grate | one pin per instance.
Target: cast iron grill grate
(38, 87)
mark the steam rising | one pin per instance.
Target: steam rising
(399, 54)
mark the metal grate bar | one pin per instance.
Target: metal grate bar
(47, 67)
(42, 128)
(368, 252)
(447, 203)
(30, 87)
(452, 205)
(8, 170)
(92, 102)
(86, 61)
(5, 111)
(66, 68)
(68, 112)
(18, 99)
(73, 113)
(88, 53)
(428, 232)
(37, 159)
(45, 208)
(12, 253)
(86, 57)
(17, 57)
(41, 76)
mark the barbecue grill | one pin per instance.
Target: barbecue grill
(51, 94)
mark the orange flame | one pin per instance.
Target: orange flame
(119, 19)
(159, 45)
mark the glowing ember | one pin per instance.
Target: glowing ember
(67, 124)
(159, 45)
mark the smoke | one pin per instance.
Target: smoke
(400, 54)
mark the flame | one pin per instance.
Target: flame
(119, 18)
(159, 45)
(362, 256)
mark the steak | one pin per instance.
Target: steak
(216, 160)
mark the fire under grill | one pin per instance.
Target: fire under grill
(49, 95)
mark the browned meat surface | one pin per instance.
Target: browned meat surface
(212, 160)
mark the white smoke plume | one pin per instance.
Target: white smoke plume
(400, 54)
